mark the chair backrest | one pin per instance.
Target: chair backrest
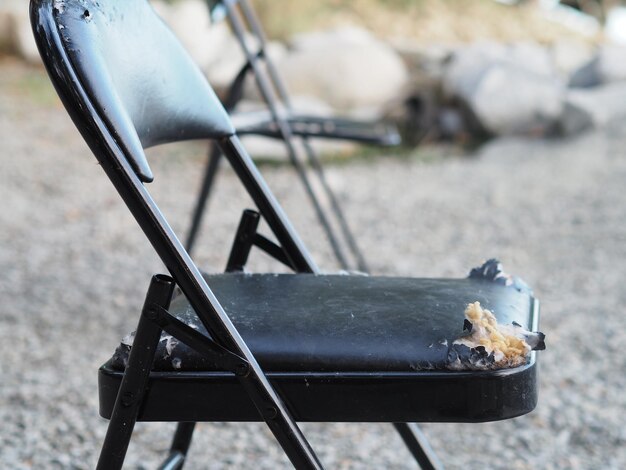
(142, 82)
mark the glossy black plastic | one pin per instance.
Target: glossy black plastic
(339, 397)
(338, 323)
(152, 93)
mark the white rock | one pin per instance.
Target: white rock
(211, 44)
(612, 63)
(16, 34)
(508, 89)
(570, 54)
(348, 69)
(425, 62)
(22, 36)
(608, 66)
(508, 101)
(531, 57)
(469, 63)
(615, 25)
(191, 22)
(594, 107)
(467, 66)
(225, 68)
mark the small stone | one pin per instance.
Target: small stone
(607, 66)
(507, 90)
(595, 107)
(348, 68)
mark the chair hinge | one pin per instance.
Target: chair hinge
(198, 341)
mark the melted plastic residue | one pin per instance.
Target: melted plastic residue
(491, 345)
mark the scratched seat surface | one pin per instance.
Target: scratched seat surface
(342, 323)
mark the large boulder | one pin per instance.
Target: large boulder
(23, 38)
(467, 64)
(222, 71)
(509, 100)
(607, 66)
(212, 45)
(5, 30)
(16, 34)
(506, 89)
(347, 68)
(191, 23)
(425, 63)
(594, 107)
(570, 54)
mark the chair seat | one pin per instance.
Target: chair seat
(353, 337)
(335, 323)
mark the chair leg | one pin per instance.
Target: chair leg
(205, 191)
(278, 84)
(180, 447)
(348, 236)
(136, 376)
(419, 446)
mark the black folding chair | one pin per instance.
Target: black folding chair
(279, 121)
(277, 348)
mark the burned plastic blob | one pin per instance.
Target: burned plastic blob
(492, 270)
(489, 345)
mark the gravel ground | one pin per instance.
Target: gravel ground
(74, 268)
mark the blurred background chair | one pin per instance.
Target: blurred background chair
(280, 121)
(388, 365)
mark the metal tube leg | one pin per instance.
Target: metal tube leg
(243, 242)
(269, 96)
(281, 90)
(130, 394)
(180, 447)
(205, 191)
(335, 207)
(419, 446)
(182, 438)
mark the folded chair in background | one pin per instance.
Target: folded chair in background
(258, 347)
(281, 122)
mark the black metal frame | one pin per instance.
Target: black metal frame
(283, 124)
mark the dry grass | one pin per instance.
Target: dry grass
(427, 21)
